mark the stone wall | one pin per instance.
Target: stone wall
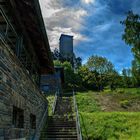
(17, 89)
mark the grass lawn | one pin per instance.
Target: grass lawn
(113, 119)
(110, 126)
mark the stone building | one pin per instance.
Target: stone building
(24, 56)
(66, 47)
(51, 83)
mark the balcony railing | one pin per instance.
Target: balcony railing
(14, 41)
(8, 34)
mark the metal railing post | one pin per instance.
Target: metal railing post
(77, 118)
(55, 101)
(37, 133)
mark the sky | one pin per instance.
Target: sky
(95, 25)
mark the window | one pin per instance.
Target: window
(33, 121)
(45, 88)
(18, 117)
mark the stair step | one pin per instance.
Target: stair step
(61, 125)
(63, 120)
(60, 132)
(67, 122)
(62, 136)
(58, 139)
(59, 129)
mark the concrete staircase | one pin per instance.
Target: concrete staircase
(62, 125)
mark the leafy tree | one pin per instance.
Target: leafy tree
(57, 63)
(132, 33)
(56, 54)
(127, 78)
(88, 78)
(132, 37)
(68, 59)
(135, 73)
(99, 64)
(102, 68)
(78, 62)
(72, 79)
(113, 80)
(75, 62)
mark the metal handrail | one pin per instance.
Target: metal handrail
(7, 20)
(54, 103)
(37, 135)
(8, 27)
(77, 118)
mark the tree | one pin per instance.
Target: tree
(57, 63)
(72, 79)
(132, 37)
(127, 78)
(135, 73)
(78, 62)
(132, 33)
(88, 78)
(113, 80)
(102, 68)
(56, 54)
(99, 64)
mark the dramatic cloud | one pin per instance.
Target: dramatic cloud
(63, 19)
(88, 1)
(95, 25)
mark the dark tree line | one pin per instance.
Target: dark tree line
(76, 62)
(98, 73)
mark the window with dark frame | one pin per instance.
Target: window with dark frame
(18, 117)
(33, 121)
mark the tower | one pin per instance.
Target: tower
(66, 46)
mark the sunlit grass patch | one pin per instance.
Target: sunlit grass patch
(86, 102)
(113, 125)
(110, 126)
(50, 99)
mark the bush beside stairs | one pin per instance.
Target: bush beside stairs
(62, 125)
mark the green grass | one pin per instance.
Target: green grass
(110, 126)
(86, 102)
(123, 91)
(129, 90)
(99, 125)
(50, 99)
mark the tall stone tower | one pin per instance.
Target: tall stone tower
(66, 46)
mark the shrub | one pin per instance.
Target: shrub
(121, 91)
(125, 103)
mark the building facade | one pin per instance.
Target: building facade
(66, 46)
(24, 55)
(52, 82)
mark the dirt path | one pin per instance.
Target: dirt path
(118, 102)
